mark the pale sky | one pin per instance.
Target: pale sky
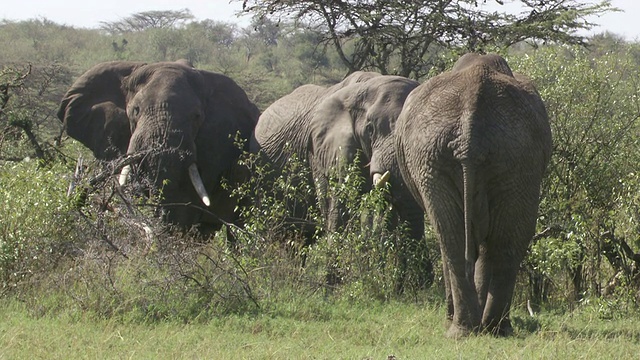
(89, 13)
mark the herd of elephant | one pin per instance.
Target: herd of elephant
(467, 148)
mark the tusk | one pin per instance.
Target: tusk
(124, 175)
(196, 180)
(379, 180)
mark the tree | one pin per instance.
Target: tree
(402, 37)
(217, 32)
(160, 19)
(26, 95)
(590, 208)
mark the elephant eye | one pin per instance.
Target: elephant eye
(135, 111)
(369, 129)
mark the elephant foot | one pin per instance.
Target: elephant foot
(457, 331)
(501, 328)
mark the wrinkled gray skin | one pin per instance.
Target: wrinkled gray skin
(360, 117)
(328, 126)
(473, 145)
(283, 130)
(118, 108)
(284, 127)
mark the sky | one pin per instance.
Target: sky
(89, 13)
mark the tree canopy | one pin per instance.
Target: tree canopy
(158, 19)
(401, 37)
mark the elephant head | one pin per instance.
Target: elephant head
(358, 118)
(283, 131)
(184, 119)
(283, 128)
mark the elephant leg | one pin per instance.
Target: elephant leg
(495, 318)
(466, 310)
(513, 226)
(446, 216)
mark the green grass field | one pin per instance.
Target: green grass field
(332, 331)
(72, 297)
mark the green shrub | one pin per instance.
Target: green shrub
(369, 257)
(588, 194)
(36, 219)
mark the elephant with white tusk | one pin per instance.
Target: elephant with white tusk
(186, 119)
(327, 127)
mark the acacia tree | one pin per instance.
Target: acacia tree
(27, 95)
(157, 19)
(400, 37)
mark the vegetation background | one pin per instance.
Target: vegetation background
(80, 277)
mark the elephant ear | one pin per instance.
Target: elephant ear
(228, 115)
(93, 111)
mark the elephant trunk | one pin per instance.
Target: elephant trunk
(194, 176)
(178, 155)
(380, 162)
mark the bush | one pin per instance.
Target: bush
(36, 220)
(587, 195)
(372, 254)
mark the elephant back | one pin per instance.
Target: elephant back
(494, 62)
(356, 77)
(283, 128)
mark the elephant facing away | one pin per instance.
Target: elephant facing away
(473, 145)
(328, 127)
(186, 119)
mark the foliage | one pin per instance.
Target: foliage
(405, 38)
(145, 20)
(366, 257)
(36, 221)
(104, 253)
(282, 206)
(25, 110)
(369, 256)
(588, 195)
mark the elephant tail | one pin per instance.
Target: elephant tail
(470, 246)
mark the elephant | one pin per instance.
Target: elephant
(283, 128)
(283, 131)
(473, 145)
(185, 119)
(327, 127)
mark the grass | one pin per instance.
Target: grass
(99, 290)
(335, 331)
